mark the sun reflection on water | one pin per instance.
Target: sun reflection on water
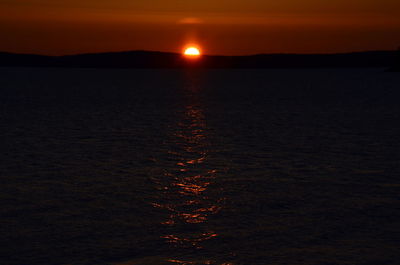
(186, 191)
(189, 180)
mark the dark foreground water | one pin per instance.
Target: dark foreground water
(199, 167)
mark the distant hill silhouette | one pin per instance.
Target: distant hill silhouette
(148, 59)
(394, 69)
(396, 64)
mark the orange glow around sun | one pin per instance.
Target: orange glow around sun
(192, 52)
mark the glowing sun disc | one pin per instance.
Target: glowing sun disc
(192, 51)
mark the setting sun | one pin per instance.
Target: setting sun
(192, 52)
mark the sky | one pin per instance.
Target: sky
(226, 27)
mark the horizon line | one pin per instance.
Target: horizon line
(206, 55)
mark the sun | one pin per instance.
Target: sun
(192, 52)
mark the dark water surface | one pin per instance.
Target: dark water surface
(199, 167)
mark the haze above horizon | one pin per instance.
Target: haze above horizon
(223, 27)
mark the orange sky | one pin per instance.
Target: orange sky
(226, 27)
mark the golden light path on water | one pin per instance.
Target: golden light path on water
(185, 186)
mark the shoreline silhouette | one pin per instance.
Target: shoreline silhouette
(150, 59)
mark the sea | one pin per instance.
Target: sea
(199, 166)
